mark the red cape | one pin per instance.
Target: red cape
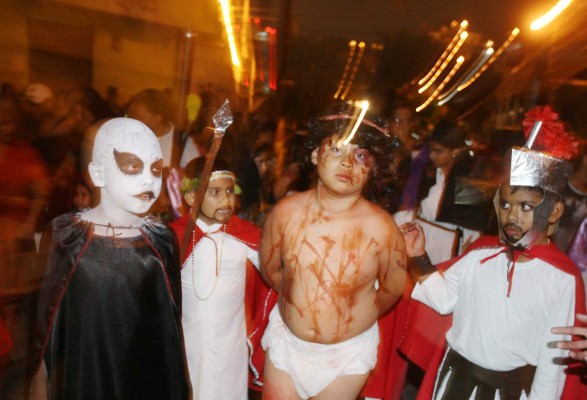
(387, 378)
(425, 343)
(239, 228)
(6, 343)
(259, 298)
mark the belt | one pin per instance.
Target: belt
(465, 376)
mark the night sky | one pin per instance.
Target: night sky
(365, 18)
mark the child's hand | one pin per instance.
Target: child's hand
(414, 238)
(578, 348)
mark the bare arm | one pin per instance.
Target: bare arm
(578, 347)
(271, 267)
(38, 390)
(392, 273)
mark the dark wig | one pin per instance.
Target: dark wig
(369, 136)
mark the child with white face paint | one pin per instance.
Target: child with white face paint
(127, 167)
(109, 321)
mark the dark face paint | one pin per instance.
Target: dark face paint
(130, 164)
(157, 168)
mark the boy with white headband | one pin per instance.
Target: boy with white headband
(109, 310)
(220, 261)
(506, 293)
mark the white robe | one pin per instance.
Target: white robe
(215, 330)
(501, 333)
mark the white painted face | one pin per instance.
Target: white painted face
(127, 166)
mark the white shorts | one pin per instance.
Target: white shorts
(314, 366)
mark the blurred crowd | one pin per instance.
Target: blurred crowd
(445, 175)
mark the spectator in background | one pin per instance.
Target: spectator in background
(577, 250)
(575, 199)
(112, 99)
(82, 196)
(255, 159)
(153, 108)
(36, 105)
(60, 139)
(23, 192)
(61, 131)
(412, 156)
(443, 220)
(297, 176)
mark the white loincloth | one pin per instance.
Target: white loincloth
(314, 366)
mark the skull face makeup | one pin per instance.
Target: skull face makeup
(127, 166)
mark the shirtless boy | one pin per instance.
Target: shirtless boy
(337, 261)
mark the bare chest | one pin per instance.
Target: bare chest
(331, 251)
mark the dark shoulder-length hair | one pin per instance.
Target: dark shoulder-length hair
(370, 135)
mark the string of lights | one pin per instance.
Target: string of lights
(448, 77)
(352, 48)
(448, 59)
(354, 71)
(448, 49)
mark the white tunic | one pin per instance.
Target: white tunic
(501, 333)
(214, 329)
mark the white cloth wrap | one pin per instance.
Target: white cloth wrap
(314, 366)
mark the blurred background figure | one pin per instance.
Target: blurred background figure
(59, 141)
(23, 193)
(575, 199)
(296, 176)
(82, 196)
(36, 105)
(153, 108)
(412, 155)
(451, 226)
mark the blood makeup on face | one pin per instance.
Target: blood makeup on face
(340, 162)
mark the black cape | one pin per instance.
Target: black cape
(108, 325)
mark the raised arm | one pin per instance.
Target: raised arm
(419, 264)
(271, 239)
